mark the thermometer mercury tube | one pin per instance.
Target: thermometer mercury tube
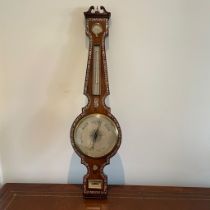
(96, 70)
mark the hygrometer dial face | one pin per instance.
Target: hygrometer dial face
(96, 135)
(97, 29)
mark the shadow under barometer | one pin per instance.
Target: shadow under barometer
(114, 170)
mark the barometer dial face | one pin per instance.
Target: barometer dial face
(96, 135)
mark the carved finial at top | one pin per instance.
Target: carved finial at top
(96, 13)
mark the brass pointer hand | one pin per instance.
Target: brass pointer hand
(96, 134)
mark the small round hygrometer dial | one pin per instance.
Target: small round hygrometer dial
(97, 29)
(96, 135)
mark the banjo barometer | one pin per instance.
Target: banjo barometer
(95, 133)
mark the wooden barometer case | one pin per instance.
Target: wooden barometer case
(95, 133)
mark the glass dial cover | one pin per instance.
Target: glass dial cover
(95, 135)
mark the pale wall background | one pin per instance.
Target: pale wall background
(159, 71)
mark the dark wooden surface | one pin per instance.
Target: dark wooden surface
(69, 197)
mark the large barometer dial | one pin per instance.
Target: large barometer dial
(95, 133)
